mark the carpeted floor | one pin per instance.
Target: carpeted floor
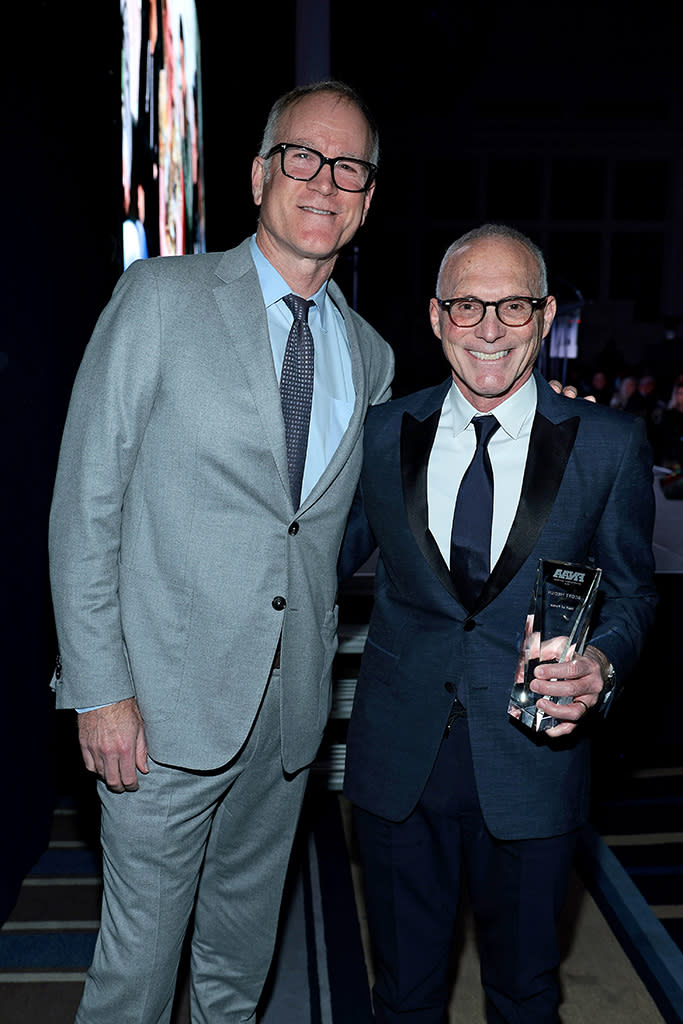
(318, 975)
(642, 823)
(323, 966)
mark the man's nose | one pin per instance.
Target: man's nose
(490, 328)
(323, 181)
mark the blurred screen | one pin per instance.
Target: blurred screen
(162, 144)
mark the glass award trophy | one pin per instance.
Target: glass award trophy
(556, 628)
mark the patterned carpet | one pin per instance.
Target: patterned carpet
(632, 863)
(318, 975)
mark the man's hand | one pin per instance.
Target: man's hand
(581, 679)
(113, 744)
(569, 391)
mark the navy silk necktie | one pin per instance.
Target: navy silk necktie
(473, 516)
(296, 391)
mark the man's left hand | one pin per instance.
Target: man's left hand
(580, 679)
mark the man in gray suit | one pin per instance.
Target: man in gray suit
(194, 590)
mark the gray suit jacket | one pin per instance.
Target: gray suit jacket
(177, 560)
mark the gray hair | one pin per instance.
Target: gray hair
(496, 231)
(339, 89)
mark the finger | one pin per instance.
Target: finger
(555, 687)
(88, 760)
(565, 714)
(141, 753)
(571, 712)
(564, 729)
(556, 386)
(127, 773)
(113, 768)
(576, 677)
(111, 776)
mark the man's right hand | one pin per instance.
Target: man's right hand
(568, 390)
(113, 744)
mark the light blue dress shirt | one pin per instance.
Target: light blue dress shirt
(333, 392)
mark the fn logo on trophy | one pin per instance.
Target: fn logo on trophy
(555, 630)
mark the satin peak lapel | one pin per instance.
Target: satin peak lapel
(417, 438)
(550, 447)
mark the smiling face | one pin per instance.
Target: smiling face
(489, 362)
(304, 224)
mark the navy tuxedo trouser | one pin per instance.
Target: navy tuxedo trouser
(412, 876)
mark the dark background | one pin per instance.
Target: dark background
(565, 122)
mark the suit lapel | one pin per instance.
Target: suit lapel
(417, 439)
(359, 376)
(550, 446)
(241, 305)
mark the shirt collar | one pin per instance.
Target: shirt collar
(274, 286)
(512, 413)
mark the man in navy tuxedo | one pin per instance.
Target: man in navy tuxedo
(444, 781)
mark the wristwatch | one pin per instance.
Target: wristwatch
(610, 682)
(608, 675)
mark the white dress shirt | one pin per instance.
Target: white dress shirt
(452, 452)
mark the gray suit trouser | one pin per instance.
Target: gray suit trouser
(217, 841)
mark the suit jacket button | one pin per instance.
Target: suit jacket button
(293, 530)
(469, 625)
(279, 604)
(449, 687)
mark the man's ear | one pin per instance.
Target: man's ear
(549, 311)
(258, 177)
(366, 202)
(435, 317)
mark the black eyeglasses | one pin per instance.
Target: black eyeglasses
(302, 164)
(513, 311)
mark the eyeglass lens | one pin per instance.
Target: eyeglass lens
(303, 164)
(513, 312)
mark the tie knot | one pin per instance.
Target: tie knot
(484, 427)
(298, 306)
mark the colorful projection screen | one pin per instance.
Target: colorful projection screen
(162, 146)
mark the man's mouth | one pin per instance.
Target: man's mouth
(489, 357)
(314, 209)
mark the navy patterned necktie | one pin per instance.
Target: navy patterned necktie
(296, 391)
(473, 516)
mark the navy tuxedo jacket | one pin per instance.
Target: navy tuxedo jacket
(586, 497)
